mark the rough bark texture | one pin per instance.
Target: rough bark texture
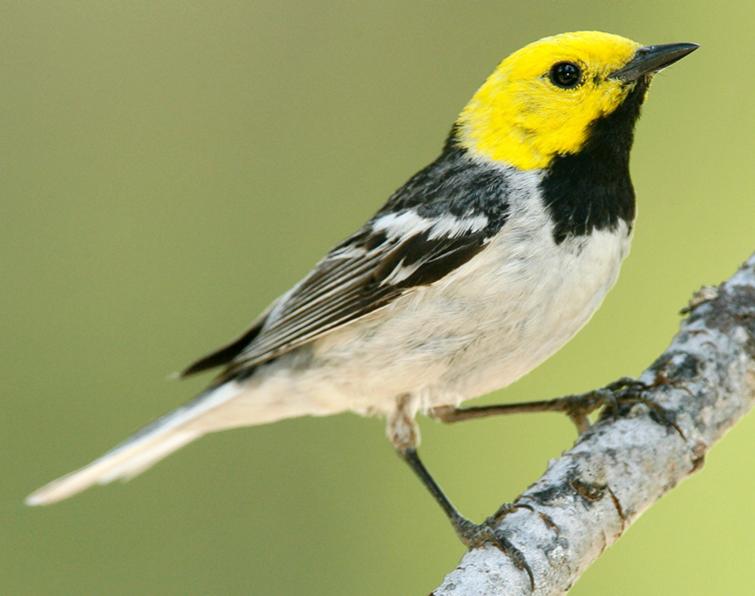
(585, 500)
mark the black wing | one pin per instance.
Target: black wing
(364, 274)
(411, 242)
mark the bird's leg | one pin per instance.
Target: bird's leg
(577, 407)
(404, 434)
(463, 527)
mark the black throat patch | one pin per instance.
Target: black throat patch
(592, 190)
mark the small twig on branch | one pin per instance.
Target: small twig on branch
(704, 382)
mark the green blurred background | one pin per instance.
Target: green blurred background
(168, 168)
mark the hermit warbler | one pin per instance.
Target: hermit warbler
(474, 272)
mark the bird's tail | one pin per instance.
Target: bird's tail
(146, 447)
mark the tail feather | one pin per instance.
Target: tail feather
(141, 451)
(140, 462)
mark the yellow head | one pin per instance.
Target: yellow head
(542, 99)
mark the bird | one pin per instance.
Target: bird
(475, 271)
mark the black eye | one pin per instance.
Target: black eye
(566, 75)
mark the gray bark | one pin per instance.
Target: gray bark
(587, 498)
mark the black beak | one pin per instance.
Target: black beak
(651, 59)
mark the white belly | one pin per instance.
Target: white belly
(490, 322)
(537, 296)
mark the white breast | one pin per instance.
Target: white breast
(530, 296)
(482, 327)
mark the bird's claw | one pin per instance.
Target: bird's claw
(626, 393)
(616, 399)
(478, 535)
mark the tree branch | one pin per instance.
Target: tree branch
(705, 381)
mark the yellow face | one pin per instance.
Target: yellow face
(533, 107)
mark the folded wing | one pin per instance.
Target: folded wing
(391, 256)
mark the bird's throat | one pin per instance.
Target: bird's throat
(592, 189)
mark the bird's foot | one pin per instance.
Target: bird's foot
(579, 407)
(478, 535)
(626, 393)
(616, 399)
